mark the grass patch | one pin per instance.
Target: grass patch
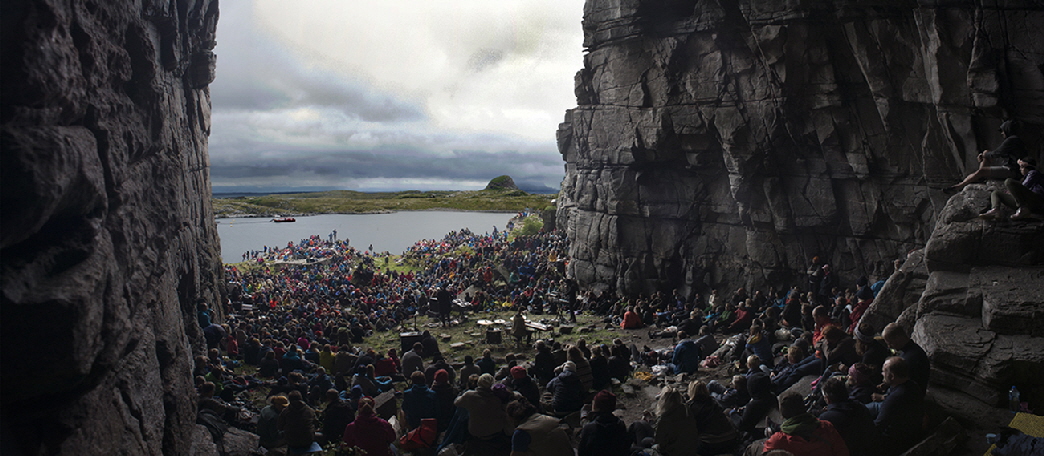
(351, 202)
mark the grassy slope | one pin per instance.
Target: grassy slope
(351, 202)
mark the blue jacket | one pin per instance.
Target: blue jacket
(567, 392)
(419, 402)
(687, 356)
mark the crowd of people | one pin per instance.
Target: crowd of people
(309, 322)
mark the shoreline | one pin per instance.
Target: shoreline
(311, 214)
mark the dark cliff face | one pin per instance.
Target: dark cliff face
(720, 144)
(108, 234)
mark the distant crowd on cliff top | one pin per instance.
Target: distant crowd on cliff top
(307, 337)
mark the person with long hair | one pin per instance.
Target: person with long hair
(676, 429)
(716, 432)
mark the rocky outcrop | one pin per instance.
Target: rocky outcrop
(724, 143)
(978, 311)
(108, 234)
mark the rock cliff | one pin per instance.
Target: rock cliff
(725, 143)
(973, 298)
(108, 234)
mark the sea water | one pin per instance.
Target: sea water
(394, 232)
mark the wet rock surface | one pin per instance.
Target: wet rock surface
(723, 144)
(108, 236)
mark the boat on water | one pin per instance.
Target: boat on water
(284, 219)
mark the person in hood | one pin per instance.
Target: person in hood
(606, 434)
(762, 401)
(369, 432)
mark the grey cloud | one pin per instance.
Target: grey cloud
(255, 73)
(333, 166)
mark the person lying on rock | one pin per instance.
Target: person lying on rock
(1026, 196)
(998, 163)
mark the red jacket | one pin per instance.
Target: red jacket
(825, 441)
(631, 320)
(372, 434)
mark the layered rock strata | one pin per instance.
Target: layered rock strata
(981, 299)
(108, 235)
(719, 144)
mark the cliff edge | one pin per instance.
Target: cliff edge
(108, 235)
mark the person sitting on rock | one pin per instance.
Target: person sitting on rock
(901, 410)
(268, 423)
(897, 339)
(1026, 196)
(998, 163)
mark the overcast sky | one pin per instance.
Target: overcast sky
(390, 94)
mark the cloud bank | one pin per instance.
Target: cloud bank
(392, 95)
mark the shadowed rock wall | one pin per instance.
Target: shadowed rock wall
(725, 143)
(108, 234)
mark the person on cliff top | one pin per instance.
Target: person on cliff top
(998, 163)
(1026, 196)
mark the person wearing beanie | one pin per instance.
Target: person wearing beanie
(488, 425)
(445, 394)
(762, 401)
(566, 391)
(801, 433)
(606, 434)
(523, 384)
(369, 432)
